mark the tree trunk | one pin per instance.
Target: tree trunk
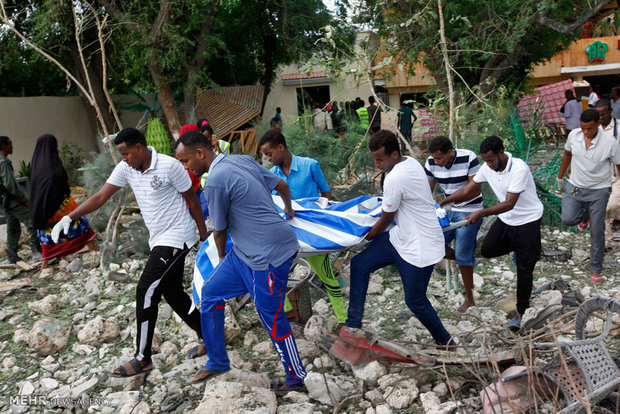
(166, 96)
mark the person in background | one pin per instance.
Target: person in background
(276, 124)
(322, 119)
(453, 169)
(50, 201)
(414, 244)
(305, 179)
(374, 114)
(589, 152)
(362, 115)
(278, 114)
(238, 190)
(609, 124)
(162, 188)
(338, 119)
(594, 95)
(15, 205)
(406, 118)
(519, 214)
(219, 145)
(615, 101)
(570, 111)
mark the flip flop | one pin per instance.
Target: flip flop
(206, 374)
(596, 280)
(194, 353)
(583, 226)
(461, 309)
(137, 367)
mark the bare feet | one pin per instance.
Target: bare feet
(92, 247)
(466, 305)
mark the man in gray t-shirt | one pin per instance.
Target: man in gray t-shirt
(590, 153)
(238, 191)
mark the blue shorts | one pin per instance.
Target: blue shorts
(465, 245)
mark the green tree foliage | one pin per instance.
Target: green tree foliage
(490, 42)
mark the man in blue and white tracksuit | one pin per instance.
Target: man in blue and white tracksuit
(238, 191)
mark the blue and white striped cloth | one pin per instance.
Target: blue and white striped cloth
(321, 226)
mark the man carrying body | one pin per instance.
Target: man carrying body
(453, 169)
(415, 244)
(374, 113)
(16, 207)
(238, 193)
(305, 179)
(162, 187)
(590, 152)
(519, 211)
(571, 111)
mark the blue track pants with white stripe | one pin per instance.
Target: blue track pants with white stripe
(232, 277)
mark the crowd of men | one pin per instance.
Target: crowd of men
(238, 194)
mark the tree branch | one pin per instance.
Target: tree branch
(118, 15)
(543, 19)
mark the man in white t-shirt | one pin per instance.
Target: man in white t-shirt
(162, 188)
(415, 243)
(591, 155)
(519, 211)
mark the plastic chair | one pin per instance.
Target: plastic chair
(592, 374)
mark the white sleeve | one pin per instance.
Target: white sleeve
(480, 176)
(118, 178)
(392, 195)
(518, 179)
(179, 177)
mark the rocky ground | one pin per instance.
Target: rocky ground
(62, 333)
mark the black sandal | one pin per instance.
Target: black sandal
(137, 367)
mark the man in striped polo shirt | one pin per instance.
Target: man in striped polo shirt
(453, 169)
(162, 187)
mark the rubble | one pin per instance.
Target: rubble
(61, 339)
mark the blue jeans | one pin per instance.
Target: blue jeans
(232, 277)
(381, 253)
(465, 245)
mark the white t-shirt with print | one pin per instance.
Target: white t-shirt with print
(158, 193)
(417, 235)
(516, 178)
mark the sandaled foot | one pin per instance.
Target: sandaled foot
(204, 374)
(464, 306)
(284, 389)
(131, 368)
(596, 279)
(195, 352)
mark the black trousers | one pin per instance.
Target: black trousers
(524, 240)
(162, 275)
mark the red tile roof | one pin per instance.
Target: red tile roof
(548, 98)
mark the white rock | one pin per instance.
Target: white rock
(130, 408)
(388, 292)
(586, 291)
(375, 289)
(9, 362)
(340, 387)
(440, 389)
(231, 328)
(20, 335)
(84, 387)
(249, 338)
(432, 404)
(307, 348)
(114, 267)
(249, 378)
(398, 391)
(263, 348)
(303, 408)
(370, 373)
(315, 327)
(297, 397)
(234, 397)
(165, 312)
(155, 377)
(48, 336)
(27, 388)
(48, 383)
(98, 331)
(75, 266)
(170, 352)
(383, 409)
(118, 399)
(321, 307)
(45, 273)
(46, 306)
(323, 361)
(478, 281)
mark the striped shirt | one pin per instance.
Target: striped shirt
(456, 177)
(158, 193)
